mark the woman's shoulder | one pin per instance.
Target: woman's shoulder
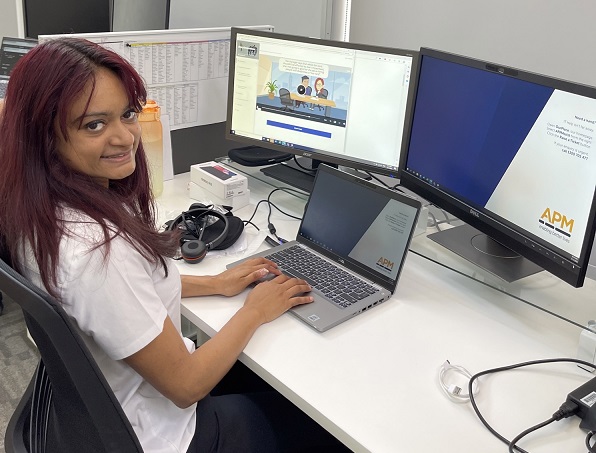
(85, 235)
(82, 233)
(79, 226)
(84, 244)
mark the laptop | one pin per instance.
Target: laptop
(351, 246)
(11, 51)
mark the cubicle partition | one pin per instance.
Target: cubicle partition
(186, 72)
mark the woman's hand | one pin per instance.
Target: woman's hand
(273, 298)
(230, 282)
(235, 280)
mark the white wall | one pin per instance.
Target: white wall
(552, 37)
(11, 22)
(131, 15)
(301, 17)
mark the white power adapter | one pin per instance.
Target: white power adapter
(587, 344)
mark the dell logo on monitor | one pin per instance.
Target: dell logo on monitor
(475, 213)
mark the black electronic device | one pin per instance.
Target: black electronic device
(335, 102)
(11, 51)
(65, 16)
(205, 228)
(511, 153)
(257, 156)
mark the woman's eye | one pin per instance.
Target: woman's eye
(95, 126)
(130, 115)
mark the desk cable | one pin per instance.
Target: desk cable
(380, 181)
(435, 223)
(574, 404)
(278, 240)
(453, 391)
(310, 171)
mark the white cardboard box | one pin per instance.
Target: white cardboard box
(218, 179)
(204, 196)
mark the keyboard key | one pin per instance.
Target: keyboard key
(338, 285)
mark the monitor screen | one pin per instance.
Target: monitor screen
(11, 51)
(42, 17)
(335, 102)
(512, 154)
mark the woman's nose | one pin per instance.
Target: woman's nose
(123, 135)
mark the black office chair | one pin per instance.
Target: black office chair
(68, 406)
(286, 100)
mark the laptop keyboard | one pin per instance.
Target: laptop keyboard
(339, 286)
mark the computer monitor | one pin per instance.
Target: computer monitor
(11, 51)
(512, 154)
(42, 17)
(334, 102)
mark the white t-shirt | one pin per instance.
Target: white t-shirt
(119, 306)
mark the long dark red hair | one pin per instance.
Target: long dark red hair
(35, 181)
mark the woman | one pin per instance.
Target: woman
(319, 87)
(320, 90)
(77, 218)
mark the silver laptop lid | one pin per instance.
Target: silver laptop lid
(368, 227)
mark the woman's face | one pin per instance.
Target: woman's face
(103, 138)
(318, 85)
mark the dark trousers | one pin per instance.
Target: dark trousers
(244, 414)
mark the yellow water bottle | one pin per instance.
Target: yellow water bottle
(151, 136)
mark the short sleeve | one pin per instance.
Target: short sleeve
(112, 300)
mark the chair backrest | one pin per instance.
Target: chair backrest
(79, 411)
(284, 96)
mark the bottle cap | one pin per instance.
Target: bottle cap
(151, 111)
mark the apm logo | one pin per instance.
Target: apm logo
(557, 221)
(385, 263)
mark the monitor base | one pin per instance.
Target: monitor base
(485, 252)
(300, 173)
(296, 175)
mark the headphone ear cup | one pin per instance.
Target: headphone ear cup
(193, 251)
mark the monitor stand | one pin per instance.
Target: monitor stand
(485, 252)
(301, 175)
(301, 172)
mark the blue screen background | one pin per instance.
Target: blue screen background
(468, 125)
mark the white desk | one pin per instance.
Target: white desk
(372, 381)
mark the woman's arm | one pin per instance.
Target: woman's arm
(230, 282)
(185, 377)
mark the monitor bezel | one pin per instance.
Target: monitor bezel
(517, 239)
(319, 155)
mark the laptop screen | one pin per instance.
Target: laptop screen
(12, 50)
(363, 226)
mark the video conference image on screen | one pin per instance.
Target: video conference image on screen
(335, 101)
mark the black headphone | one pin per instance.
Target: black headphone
(193, 223)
